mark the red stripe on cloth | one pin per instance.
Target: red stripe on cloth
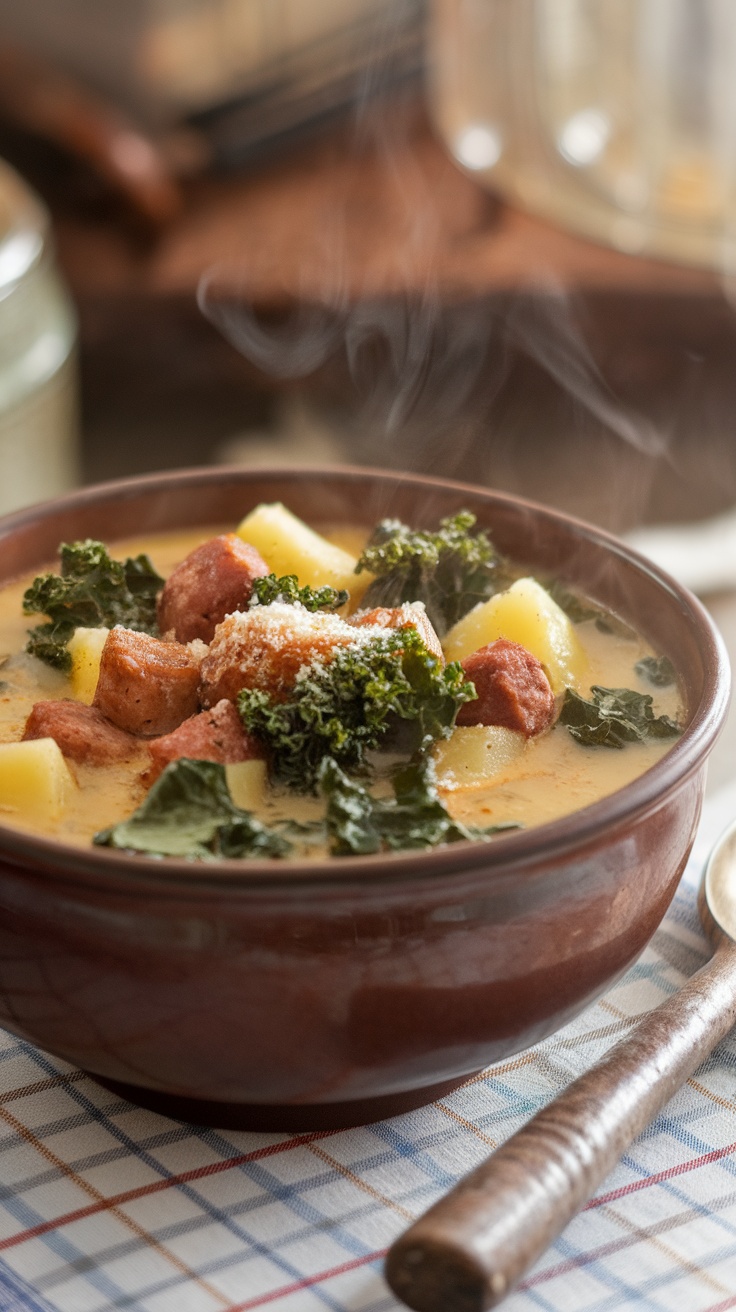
(607, 1250)
(300, 1285)
(157, 1186)
(582, 1259)
(681, 1169)
(717, 1307)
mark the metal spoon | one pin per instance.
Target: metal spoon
(467, 1252)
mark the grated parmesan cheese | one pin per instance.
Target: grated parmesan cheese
(267, 646)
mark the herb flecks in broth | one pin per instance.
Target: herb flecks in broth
(91, 591)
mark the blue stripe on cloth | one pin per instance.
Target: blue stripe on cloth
(409, 1160)
(205, 1270)
(61, 1246)
(12, 1050)
(290, 1195)
(618, 1288)
(654, 1284)
(215, 1213)
(17, 1296)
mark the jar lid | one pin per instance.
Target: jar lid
(23, 227)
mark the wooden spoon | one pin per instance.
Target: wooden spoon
(466, 1252)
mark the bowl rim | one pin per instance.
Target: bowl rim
(547, 843)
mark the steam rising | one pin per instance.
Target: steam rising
(423, 381)
(546, 330)
(425, 375)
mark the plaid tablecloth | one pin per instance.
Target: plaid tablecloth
(105, 1206)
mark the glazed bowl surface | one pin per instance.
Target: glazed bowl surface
(317, 994)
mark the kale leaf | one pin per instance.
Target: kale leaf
(450, 570)
(189, 813)
(350, 815)
(613, 717)
(579, 609)
(658, 670)
(343, 709)
(91, 591)
(287, 589)
(358, 823)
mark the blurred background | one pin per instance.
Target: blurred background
(488, 239)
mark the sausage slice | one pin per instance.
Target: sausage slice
(146, 686)
(213, 581)
(216, 735)
(82, 732)
(513, 689)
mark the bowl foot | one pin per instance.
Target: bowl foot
(280, 1116)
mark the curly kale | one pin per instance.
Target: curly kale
(450, 570)
(358, 824)
(189, 813)
(91, 591)
(614, 717)
(344, 708)
(287, 589)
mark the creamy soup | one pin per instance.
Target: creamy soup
(520, 780)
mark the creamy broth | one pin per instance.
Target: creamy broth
(553, 776)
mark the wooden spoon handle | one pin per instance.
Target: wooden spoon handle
(468, 1250)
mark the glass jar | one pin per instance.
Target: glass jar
(38, 389)
(616, 118)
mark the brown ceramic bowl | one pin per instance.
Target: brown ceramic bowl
(302, 995)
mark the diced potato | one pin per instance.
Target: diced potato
(475, 754)
(247, 783)
(526, 614)
(35, 780)
(85, 647)
(289, 546)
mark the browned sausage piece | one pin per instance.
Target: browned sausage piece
(213, 581)
(82, 732)
(513, 689)
(267, 646)
(146, 686)
(216, 735)
(401, 617)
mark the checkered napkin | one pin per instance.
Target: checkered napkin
(105, 1206)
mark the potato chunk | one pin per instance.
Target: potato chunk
(247, 783)
(526, 614)
(289, 546)
(85, 648)
(35, 780)
(475, 755)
